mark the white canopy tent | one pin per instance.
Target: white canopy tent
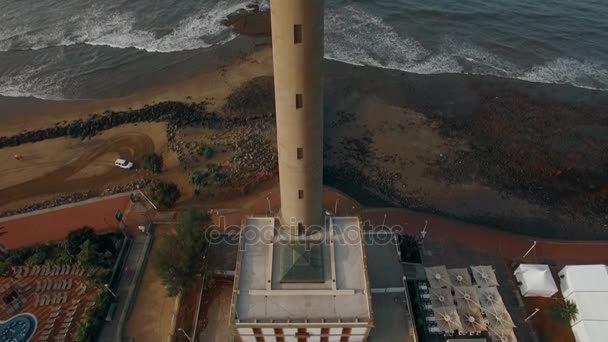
(535, 280)
(587, 287)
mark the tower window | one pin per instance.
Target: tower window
(299, 101)
(297, 34)
(300, 194)
(301, 229)
(300, 153)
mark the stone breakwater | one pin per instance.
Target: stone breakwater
(76, 197)
(176, 114)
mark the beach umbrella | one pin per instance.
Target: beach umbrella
(503, 335)
(441, 297)
(484, 276)
(499, 317)
(437, 276)
(489, 296)
(466, 296)
(447, 319)
(460, 277)
(471, 320)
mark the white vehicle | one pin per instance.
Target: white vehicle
(123, 164)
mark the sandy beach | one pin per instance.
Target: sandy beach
(520, 156)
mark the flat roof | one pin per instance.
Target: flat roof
(342, 295)
(383, 264)
(391, 319)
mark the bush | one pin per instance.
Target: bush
(206, 151)
(163, 194)
(152, 162)
(95, 317)
(197, 178)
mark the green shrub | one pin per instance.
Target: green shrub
(206, 151)
(197, 178)
(152, 162)
(163, 194)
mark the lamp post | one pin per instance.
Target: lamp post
(532, 314)
(182, 330)
(336, 207)
(111, 292)
(384, 221)
(530, 250)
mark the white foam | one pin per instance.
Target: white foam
(28, 82)
(101, 26)
(587, 74)
(355, 36)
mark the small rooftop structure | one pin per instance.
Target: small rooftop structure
(587, 287)
(535, 280)
(484, 276)
(437, 276)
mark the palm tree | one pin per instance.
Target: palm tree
(563, 311)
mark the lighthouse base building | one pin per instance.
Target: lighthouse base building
(312, 289)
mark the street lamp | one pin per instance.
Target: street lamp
(111, 292)
(532, 315)
(269, 210)
(530, 250)
(182, 330)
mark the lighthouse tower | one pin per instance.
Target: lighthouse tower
(297, 46)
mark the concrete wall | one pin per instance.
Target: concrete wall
(297, 70)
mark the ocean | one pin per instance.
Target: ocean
(76, 49)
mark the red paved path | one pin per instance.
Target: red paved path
(474, 237)
(55, 224)
(489, 240)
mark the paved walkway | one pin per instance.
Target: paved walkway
(128, 282)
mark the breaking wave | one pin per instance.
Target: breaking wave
(101, 27)
(357, 37)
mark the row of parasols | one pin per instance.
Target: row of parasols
(457, 302)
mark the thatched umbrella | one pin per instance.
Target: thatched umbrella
(437, 276)
(503, 335)
(489, 296)
(460, 277)
(447, 319)
(484, 276)
(471, 320)
(441, 297)
(466, 296)
(499, 317)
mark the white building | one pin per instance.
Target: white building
(587, 287)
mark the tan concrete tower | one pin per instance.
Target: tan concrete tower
(297, 49)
